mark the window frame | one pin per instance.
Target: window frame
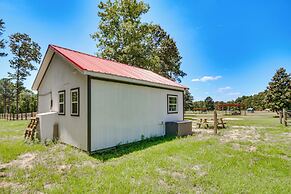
(64, 102)
(168, 103)
(78, 101)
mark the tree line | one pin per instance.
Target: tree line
(15, 98)
(276, 97)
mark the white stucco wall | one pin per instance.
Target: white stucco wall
(61, 75)
(122, 113)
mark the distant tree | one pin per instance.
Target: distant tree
(6, 94)
(278, 94)
(188, 100)
(123, 37)
(27, 101)
(209, 103)
(199, 104)
(25, 52)
(2, 41)
(256, 101)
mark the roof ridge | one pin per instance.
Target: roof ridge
(101, 58)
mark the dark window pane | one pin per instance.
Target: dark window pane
(74, 96)
(61, 98)
(75, 108)
(61, 108)
(172, 100)
(172, 108)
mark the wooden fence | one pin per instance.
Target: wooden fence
(21, 116)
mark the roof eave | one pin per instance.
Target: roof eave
(131, 80)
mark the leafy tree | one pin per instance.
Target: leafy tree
(188, 100)
(209, 103)
(199, 104)
(25, 52)
(256, 101)
(123, 37)
(2, 41)
(279, 91)
(6, 94)
(27, 101)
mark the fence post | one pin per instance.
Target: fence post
(285, 117)
(280, 116)
(215, 122)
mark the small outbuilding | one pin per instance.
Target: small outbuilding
(98, 104)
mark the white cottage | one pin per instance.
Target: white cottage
(100, 103)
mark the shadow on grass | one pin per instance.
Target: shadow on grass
(121, 150)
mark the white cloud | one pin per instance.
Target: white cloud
(224, 89)
(206, 78)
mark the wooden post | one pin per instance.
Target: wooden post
(215, 122)
(280, 117)
(285, 117)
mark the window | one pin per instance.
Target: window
(62, 102)
(75, 100)
(172, 104)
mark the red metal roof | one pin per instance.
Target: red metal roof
(92, 63)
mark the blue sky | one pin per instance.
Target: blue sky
(229, 48)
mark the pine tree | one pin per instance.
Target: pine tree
(188, 100)
(2, 41)
(209, 103)
(279, 91)
(25, 52)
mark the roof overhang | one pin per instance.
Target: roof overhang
(45, 64)
(42, 69)
(120, 79)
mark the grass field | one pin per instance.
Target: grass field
(252, 155)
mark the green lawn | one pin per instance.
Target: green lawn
(253, 155)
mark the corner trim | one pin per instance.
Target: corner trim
(183, 94)
(89, 114)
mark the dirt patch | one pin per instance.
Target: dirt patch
(64, 168)
(251, 149)
(202, 134)
(178, 175)
(163, 183)
(49, 186)
(199, 170)
(248, 134)
(23, 161)
(198, 190)
(87, 163)
(236, 146)
(4, 184)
